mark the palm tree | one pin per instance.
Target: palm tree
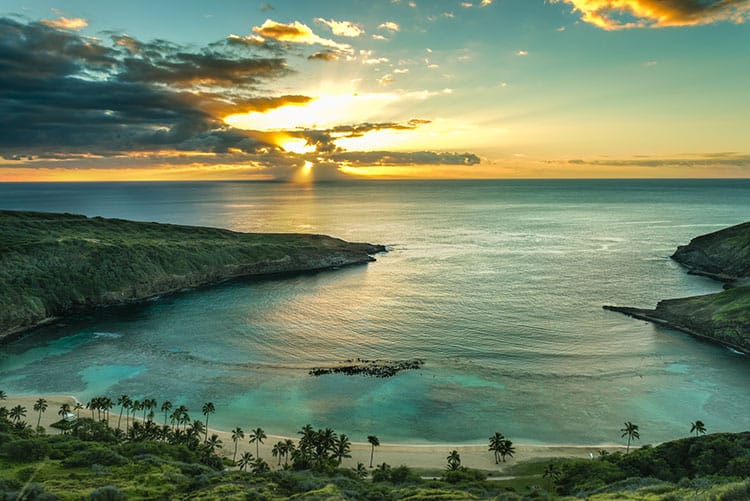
(64, 410)
(698, 427)
(208, 408)
(257, 436)
(245, 460)
(454, 461)
(148, 405)
(123, 401)
(214, 442)
(166, 407)
(107, 405)
(40, 406)
(288, 449)
(496, 441)
(77, 407)
(506, 449)
(360, 470)
(3, 395)
(237, 435)
(135, 406)
(16, 413)
(260, 467)
(631, 430)
(552, 472)
(374, 442)
(342, 446)
(278, 450)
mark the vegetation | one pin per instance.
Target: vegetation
(92, 460)
(53, 264)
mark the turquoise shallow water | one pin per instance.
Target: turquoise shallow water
(497, 285)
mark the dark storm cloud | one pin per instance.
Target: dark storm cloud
(66, 93)
(71, 100)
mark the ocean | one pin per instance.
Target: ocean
(497, 285)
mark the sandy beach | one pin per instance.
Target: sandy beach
(422, 456)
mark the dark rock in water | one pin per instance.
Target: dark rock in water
(374, 368)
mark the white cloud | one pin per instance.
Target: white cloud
(342, 28)
(390, 26)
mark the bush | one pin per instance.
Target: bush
(463, 475)
(738, 493)
(26, 450)
(99, 455)
(108, 493)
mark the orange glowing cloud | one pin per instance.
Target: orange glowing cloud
(67, 23)
(295, 32)
(621, 14)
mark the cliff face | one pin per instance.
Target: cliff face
(723, 255)
(724, 317)
(52, 264)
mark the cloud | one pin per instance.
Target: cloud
(485, 3)
(360, 158)
(70, 101)
(295, 32)
(522, 53)
(720, 159)
(390, 26)
(265, 7)
(621, 14)
(65, 23)
(386, 80)
(324, 56)
(342, 28)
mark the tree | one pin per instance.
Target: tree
(40, 406)
(123, 401)
(77, 407)
(16, 413)
(631, 431)
(257, 436)
(245, 460)
(64, 410)
(166, 407)
(374, 442)
(214, 442)
(360, 470)
(341, 447)
(506, 449)
(454, 461)
(552, 472)
(106, 405)
(278, 450)
(3, 395)
(237, 435)
(208, 409)
(149, 405)
(288, 449)
(698, 427)
(496, 442)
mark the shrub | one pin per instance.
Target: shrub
(108, 493)
(99, 455)
(26, 450)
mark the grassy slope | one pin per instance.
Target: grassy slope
(724, 254)
(52, 263)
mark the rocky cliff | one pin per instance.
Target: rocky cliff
(724, 317)
(55, 264)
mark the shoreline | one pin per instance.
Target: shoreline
(416, 456)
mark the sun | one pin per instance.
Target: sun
(297, 145)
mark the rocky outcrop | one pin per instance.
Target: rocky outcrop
(52, 265)
(374, 368)
(723, 255)
(724, 317)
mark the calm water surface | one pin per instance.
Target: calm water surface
(497, 285)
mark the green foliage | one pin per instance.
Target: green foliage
(25, 450)
(95, 455)
(51, 264)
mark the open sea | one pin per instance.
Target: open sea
(497, 285)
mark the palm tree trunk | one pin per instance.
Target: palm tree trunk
(372, 453)
(234, 458)
(628, 447)
(120, 418)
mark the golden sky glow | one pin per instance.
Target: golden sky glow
(315, 90)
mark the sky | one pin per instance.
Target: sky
(305, 91)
